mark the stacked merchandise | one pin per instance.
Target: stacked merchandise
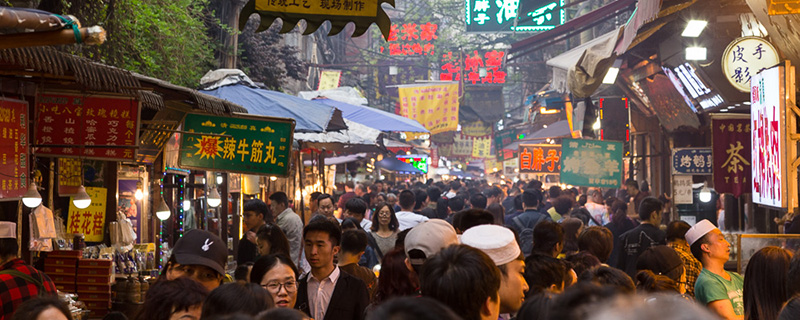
(94, 279)
(61, 266)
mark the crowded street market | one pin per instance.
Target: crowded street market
(399, 159)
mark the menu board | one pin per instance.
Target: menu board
(14, 163)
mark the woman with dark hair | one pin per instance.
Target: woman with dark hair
(441, 207)
(498, 212)
(42, 308)
(572, 228)
(649, 282)
(395, 280)
(620, 223)
(234, 298)
(791, 311)
(350, 224)
(383, 232)
(765, 280)
(181, 298)
(607, 276)
(271, 240)
(278, 275)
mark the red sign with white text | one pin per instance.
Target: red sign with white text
(491, 61)
(14, 168)
(69, 124)
(411, 39)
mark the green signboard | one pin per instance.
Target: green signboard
(244, 143)
(591, 163)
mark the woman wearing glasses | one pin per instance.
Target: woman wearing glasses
(278, 275)
(383, 233)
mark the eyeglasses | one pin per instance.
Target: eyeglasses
(385, 214)
(290, 286)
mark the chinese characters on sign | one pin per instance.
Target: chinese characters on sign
(329, 79)
(434, 106)
(333, 7)
(744, 58)
(692, 161)
(491, 61)
(499, 15)
(462, 146)
(75, 121)
(90, 221)
(411, 39)
(258, 145)
(69, 176)
(481, 148)
(14, 167)
(477, 129)
(592, 163)
(767, 137)
(731, 149)
(540, 158)
(682, 189)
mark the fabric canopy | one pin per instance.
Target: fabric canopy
(567, 62)
(559, 129)
(309, 116)
(395, 165)
(355, 135)
(371, 117)
(344, 94)
(340, 159)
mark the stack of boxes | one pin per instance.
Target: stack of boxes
(61, 266)
(94, 279)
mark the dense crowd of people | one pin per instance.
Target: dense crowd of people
(456, 250)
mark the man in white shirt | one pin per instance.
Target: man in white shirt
(289, 222)
(315, 291)
(406, 217)
(596, 208)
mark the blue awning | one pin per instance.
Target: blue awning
(375, 118)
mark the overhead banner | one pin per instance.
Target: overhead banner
(68, 125)
(730, 144)
(434, 106)
(692, 161)
(329, 79)
(69, 176)
(768, 137)
(14, 146)
(592, 163)
(481, 148)
(245, 144)
(90, 221)
(478, 129)
(540, 158)
(462, 146)
(499, 16)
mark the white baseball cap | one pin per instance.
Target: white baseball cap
(698, 231)
(495, 241)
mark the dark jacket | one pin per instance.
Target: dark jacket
(247, 251)
(529, 219)
(636, 241)
(348, 301)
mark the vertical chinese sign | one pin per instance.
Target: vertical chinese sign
(731, 153)
(69, 176)
(14, 164)
(592, 163)
(90, 221)
(691, 161)
(434, 106)
(69, 125)
(682, 189)
(245, 144)
(768, 138)
(540, 158)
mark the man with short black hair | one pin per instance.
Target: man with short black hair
(454, 186)
(289, 222)
(356, 208)
(478, 201)
(326, 207)
(473, 217)
(349, 193)
(632, 187)
(354, 243)
(530, 217)
(493, 195)
(255, 213)
(19, 282)
(548, 239)
(434, 194)
(406, 217)
(466, 280)
(326, 293)
(643, 236)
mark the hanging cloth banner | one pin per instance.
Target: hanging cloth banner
(434, 106)
(477, 129)
(481, 148)
(462, 147)
(329, 79)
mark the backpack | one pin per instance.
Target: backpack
(526, 234)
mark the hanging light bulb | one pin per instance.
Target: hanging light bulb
(219, 179)
(213, 198)
(139, 194)
(162, 211)
(273, 178)
(32, 198)
(81, 200)
(705, 193)
(187, 205)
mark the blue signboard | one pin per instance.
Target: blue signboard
(500, 15)
(692, 161)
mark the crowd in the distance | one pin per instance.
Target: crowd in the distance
(467, 250)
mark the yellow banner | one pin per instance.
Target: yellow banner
(481, 148)
(434, 106)
(462, 146)
(92, 220)
(360, 8)
(329, 79)
(476, 129)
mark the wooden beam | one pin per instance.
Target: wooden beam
(90, 35)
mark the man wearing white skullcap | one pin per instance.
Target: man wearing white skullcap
(501, 246)
(718, 289)
(19, 282)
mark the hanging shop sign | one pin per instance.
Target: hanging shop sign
(692, 161)
(462, 146)
(71, 125)
(90, 221)
(592, 163)
(479, 67)
(730, 144)
(362, 13)
(511, 167)
(434, 157)
(499, 15)
(540, 158)
(418, 161)
(69, 176)
(481, 148)
(476, 129)
(329, 79)
(14, 164)
(245, 144)
(411, 39)
(682, 189)
(434, 106)
(745, 57)
(768, 137)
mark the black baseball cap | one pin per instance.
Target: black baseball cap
(200, 247)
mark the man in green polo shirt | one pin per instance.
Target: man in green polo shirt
(719, 290)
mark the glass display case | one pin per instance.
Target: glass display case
(745, 245)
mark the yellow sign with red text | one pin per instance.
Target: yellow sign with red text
(90, 221)
(434, 106)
